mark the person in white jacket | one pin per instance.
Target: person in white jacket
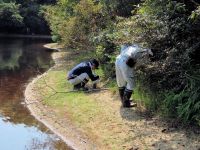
(124, 65)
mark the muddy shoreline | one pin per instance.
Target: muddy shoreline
(63, 128)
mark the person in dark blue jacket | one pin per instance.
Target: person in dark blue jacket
(81, 74)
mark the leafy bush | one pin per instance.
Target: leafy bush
(106, 53)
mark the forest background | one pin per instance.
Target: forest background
(168, 82)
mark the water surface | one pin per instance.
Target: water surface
(21, 59)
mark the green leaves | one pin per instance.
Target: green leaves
(75, 21)
(10, 15)
(195, 14)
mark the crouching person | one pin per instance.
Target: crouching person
(124, 67)
(80, 74)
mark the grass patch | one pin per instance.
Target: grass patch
(142, 97)
(83, 110)
(93, 117)
(78, 104)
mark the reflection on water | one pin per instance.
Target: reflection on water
(20, 135)
(20, 60)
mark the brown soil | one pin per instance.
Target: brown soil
(139, 129)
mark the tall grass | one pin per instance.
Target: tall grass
(185, 105)
(144, 97)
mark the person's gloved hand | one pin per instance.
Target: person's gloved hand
(96, 77)
(97, 80)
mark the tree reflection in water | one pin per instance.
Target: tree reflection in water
(20, 60)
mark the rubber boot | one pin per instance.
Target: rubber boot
(94, 86)
(126, 98)
(121, 93)
(81, 85)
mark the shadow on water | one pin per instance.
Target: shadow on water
(20, 60)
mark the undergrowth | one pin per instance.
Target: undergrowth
(186, 103)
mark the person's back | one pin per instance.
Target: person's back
(134, 51)
(79, 69)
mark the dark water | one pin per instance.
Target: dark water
(20, 60)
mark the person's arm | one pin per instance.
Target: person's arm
(139, 53)
(90, 74)
(123, 48)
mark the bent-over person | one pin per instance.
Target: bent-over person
(124, 65)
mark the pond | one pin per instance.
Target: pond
(21, 59)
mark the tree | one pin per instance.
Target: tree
(33, 19)
(73, 22)
(10, 18)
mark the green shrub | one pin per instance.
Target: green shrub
(106, 52)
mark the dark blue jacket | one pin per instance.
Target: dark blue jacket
(84, 67)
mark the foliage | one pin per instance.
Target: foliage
(33, 18)
(10, 16)
(55, 18)
(73, 22)
(172, 32)
(186, 104)
(162, 26)
(105, 50)
(195, 14)
(120, 8)
(18, 16)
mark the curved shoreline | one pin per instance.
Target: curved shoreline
(62, 128)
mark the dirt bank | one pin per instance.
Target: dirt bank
(62, 127)
(114, 128)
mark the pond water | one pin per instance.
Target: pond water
(21, 59)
